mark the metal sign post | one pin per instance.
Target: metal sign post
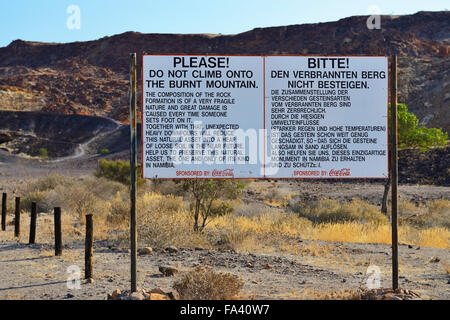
(394, 171)
(133, 160)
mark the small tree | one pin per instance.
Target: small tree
(204, 192)
(104, 151)
(411, 136)
(43, 153)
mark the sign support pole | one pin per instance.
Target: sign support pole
(133, 161)
(394, 171)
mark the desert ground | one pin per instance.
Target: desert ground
(288, 267)
(35, 273)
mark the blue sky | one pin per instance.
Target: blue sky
(46, 20)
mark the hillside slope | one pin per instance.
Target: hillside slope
(92, 77)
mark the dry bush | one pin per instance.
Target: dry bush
(264, 224)
(37, 191)
(256, 233)
(39, 197)
(406, 208)
(205, 284)
(50, 182)
(332, 211)
(120, 210)
(275, 197)
(166, 187)
(165, 220)
(372, 233)
(250, 210)
(434, 214)
(273, 194)
(438, 214)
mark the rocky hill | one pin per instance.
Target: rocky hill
(92, 77)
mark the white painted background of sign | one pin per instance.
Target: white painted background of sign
(369, 108)
(247, 112)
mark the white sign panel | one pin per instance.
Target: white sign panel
(264, 117)
(330, 116)
(199, 113)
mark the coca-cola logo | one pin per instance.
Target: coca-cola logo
(339, 173)
(223, 173)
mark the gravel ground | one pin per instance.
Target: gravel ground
(33, 272)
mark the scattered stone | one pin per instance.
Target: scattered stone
(144, 251)
(116, 293)
(268, 266)
(389, 294)
(172, 249)
(157, 296)
(69, 296)
(168, 271)
(90, 280)
(344, 280)
(137, 296)
(410, 246)
(141, 294)
(434, 260)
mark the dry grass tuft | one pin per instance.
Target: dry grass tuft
(166, 220)
(205, 284)
(332, 211)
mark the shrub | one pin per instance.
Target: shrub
(43, 153)
(39, 197)
(205, 284)
(434, 214)
(40, 191)
(205, 192)
(165, 220)
(117, 170)
(331, 211)
(250, 210)
(104, 151)
(49, 182)
(168, 186)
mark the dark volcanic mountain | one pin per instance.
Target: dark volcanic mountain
(92, 77)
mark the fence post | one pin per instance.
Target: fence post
(17, 218)
(88, 249)
(58, 235)
(33, 223)
(394, 172)
(4, 211)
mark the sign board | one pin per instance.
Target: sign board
(264, 116)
